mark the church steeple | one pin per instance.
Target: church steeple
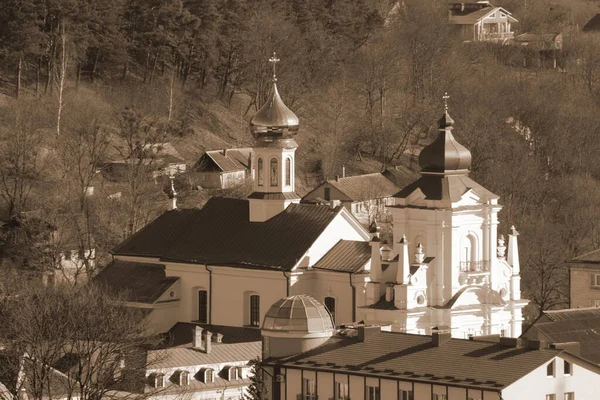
(445, 155)
(274, 127)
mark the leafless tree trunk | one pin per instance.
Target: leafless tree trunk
(62, 73)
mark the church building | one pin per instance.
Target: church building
(226, 263)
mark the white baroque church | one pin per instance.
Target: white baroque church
(226, 263)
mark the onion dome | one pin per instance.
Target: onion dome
(445, 154)
(300, 314)
(274, 120)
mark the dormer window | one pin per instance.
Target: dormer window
(184, 378)
(568, 368)
(158, 380)
(207, 375)
(550, 369)
(232, 374)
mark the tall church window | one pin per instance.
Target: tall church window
(330, 305)
(203, 306)
(288, 171)
(274, 177)
(259, 172)
(254, 310)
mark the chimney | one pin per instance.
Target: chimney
(439, 338)
(365, 332)
(218, 338)
(536, 344)
(224, 151)
(172, 194)
(197, 338)
(403, 262)
(208, 347)
(509, 342)
(570, 347)
(343, 170)
(337, 178)
(389, 292)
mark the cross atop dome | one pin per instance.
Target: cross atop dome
(274, 60)
(445, 97)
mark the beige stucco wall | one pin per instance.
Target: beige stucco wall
(582, 293)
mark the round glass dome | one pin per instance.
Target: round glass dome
(298, 314)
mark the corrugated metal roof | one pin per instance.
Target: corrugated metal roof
(228, 160)
(365, 187)
(572, 314)
(346, 256)
(458, 361)
(449, 187)
(139, 282)
(221, 353)
(222, 234)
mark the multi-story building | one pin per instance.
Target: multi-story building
(584, 280)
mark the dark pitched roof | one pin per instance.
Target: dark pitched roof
(400, 175)
(139, 282)
(227, 160)
(221, 234)
(182, 333)
(345, 256)
(591, 257)
(449, 187)
(457, 361)
(574, 325)
(364, 187)
(469, 16)
(593, 24)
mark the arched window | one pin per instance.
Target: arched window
(203, 306)
(288, 171)
(259, 172)
(207, 375)
(254, 310)
(330, 305)
(469, 253)
(274, 172)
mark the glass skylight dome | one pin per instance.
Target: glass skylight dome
(298, 314)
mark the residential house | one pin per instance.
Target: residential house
(575, 329)
(365, 196)
(308, 359)
(481, 21)
(584, 280)
(222, 169)
(540, 48)
(593, 25)
(202, 362)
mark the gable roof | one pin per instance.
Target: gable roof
(593, 25)
(449, 187)
(474, 363)
(470, 13)
(139, 282)
(345, 256)
(227, 160)
(221, 234)
(182, 333)
(572, 325)
(591, 257)
(362, 187)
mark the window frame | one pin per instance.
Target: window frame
(569, 395)
(209, 372)
(372, 393)
(274, 172)
(405, 394)
(203, 311)
(233, 371)
(260, 177)
(288, 171)
(309, 389)
(595, 280)
(340, 394)
(254, 315)
(551, 369)
(567, 368)
(329, 299)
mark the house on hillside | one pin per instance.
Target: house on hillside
(365, 196)
(577, 327)
(540, 48)
(221, 169)
(481, 21)
(584, 280)
(593, 25)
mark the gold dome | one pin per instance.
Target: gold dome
(274, 120)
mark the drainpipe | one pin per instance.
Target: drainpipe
(353, 297)
(287, 284)
(210, 296)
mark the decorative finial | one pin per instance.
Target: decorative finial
(274, 60)
(419, 255)
(172, 193)
(501, 248)
(445, 97)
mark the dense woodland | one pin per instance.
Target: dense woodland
(84, 81)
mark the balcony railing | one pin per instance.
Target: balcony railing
(496, 35)
(474, 266)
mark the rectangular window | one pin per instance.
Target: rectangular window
(567, 368)
(596, 280)
(570, 396)
(259, 172)
(550, 369)
(255, 310)
(274, 172)
(438, 397)
(288, 171)
(309, 390)
(341, 391)
(330, 305)
(203, 306)
(550, 397)
(405, 395)
(595, 303)
(327, 193)
(372, 393)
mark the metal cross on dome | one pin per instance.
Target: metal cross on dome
(445, 97)
(274, 60)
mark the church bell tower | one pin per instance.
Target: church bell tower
(273, 127)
